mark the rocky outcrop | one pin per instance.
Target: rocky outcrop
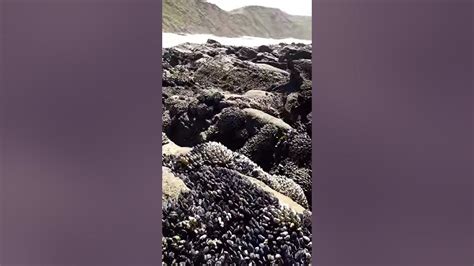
(237, 140)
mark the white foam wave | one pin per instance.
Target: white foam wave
(173, 39)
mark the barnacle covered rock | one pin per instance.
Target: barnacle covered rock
(234, 75)
(261, 147)
(216, 154)
(302, 176)
(299, 148)
(268, 102)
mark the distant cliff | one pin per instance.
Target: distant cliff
(199, 16)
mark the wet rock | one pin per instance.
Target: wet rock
(295, 82)
(264, 49)
(292, 53)
(305, 66)
(211, 41)
(246, 53)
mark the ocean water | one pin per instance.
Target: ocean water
(173, 39)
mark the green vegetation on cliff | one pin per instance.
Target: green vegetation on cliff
(199, 16)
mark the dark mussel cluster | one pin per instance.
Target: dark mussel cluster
(226, 219)
(214, 154)
(243, 116)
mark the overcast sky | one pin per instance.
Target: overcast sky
(294, 7)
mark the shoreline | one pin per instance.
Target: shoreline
(171, 39)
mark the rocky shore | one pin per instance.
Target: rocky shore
(237, 154)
